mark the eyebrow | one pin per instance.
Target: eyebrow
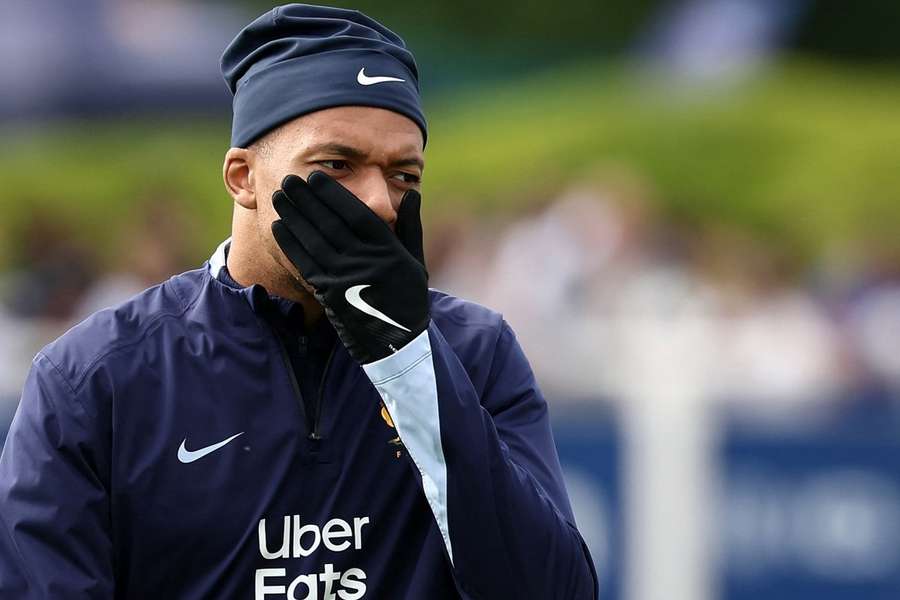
(357, 154)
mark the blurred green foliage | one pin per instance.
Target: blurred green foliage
(501, 34)
(804, 155)
(864, 30)
(556, 28)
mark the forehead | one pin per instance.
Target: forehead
(376, 131)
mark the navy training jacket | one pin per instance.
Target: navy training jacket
(161, 450)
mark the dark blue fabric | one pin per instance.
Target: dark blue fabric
(95, 502)
(307, 349)
(523, 526)
(296, 59)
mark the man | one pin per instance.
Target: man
(300, 418)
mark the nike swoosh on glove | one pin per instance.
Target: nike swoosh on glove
(371, 281)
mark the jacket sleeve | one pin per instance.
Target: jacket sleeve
(489, 469)
(54, 506)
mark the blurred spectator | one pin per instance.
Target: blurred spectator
(871, 318)
(39, 297)
(57, 281)
(596, 284)
(54, 270)
(566, 275)
(154, 247)
(780, 349)
(19, 340)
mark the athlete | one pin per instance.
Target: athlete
(301, 417)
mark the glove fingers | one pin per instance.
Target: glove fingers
(305, 232)
(317, 212)
(409, 225)
(353, 211)
(307, 266)
(295, 188)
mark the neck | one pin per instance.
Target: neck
(248, 263)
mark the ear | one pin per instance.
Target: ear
(238, 171)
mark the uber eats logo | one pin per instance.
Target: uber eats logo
(298, 540)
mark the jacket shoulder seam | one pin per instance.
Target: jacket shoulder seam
(148, 328)
(59, 372)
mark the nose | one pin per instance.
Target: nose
(374, 191)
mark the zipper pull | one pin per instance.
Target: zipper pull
(302, 346)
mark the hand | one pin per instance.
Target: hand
(371, 281)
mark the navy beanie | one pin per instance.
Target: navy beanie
(297, 59)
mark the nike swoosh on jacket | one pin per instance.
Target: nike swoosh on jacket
(94, 502)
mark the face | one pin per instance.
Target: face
(373, 152)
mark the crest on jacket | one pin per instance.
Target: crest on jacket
(390, 423)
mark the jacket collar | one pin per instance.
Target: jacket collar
(217, 260)
(285, 315)
(256, 295)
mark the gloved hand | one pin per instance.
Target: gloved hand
(371, 281)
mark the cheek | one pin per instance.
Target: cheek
(267, 183)
(265, 211)
(270, 176)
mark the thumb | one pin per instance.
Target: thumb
(409, 224)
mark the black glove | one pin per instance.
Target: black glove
(371, 281)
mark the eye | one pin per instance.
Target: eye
(336, 165)
(408, 178)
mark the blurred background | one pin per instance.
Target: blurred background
(688, 210)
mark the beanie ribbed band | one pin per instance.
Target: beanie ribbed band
(297, 59)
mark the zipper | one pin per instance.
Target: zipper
(286, 359)
(314, 435)
(313, 427)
